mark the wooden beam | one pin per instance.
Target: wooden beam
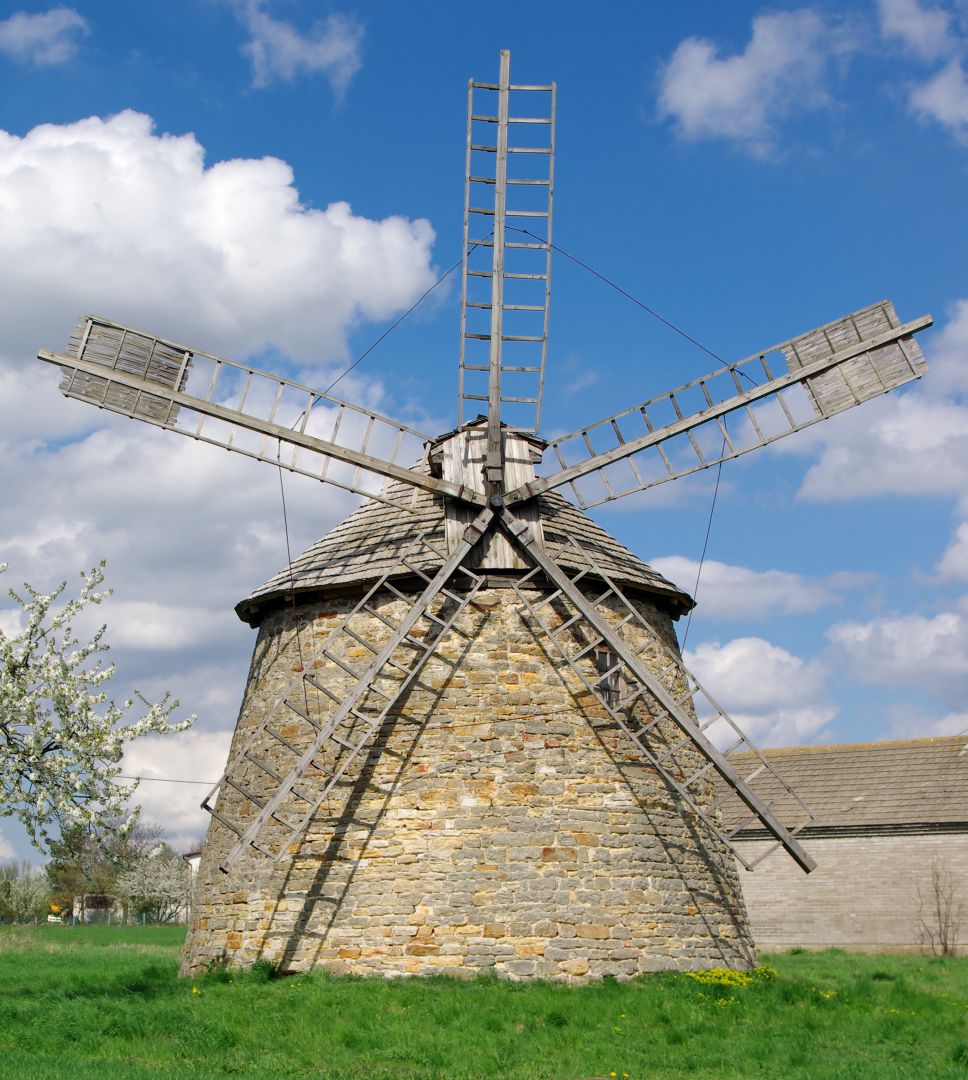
(679, 427)
(557, 576)
(275, 431)
(494, 458)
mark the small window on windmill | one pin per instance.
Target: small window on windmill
(609, 670)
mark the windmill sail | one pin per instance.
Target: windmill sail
(737, 409)
(506, 279)
(240, 408)
(337, 726)
(632, 687)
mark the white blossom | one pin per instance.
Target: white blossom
(61, 738)
(158, 882)
(24, 892)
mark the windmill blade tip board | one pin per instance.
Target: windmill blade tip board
(868, 352)
(115, 348)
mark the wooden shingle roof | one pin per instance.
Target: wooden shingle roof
(915, 782)
(374, 539)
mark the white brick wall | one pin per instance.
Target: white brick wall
(862, 896)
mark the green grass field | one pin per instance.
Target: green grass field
(99, 1002)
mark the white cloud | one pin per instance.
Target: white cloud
(930, 653)
(955, 723)
(907, 446)
(929, 34)
(948, 356)
(733, 592)
(155, 626)
(784, 68)
(925, 31)
(954, 562)
(944, 98)
(277, 51)
(912, 443)
(107, 216)
(776, 698)
(909, 720)
(580, 382)
(191, 756)
(6, 848)
(187, 531)
(46, 38)
(11, 623)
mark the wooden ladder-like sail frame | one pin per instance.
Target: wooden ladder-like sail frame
(506, 277)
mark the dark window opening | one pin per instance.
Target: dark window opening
(609, 672)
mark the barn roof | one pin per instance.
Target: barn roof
(914, 782)
(375, 538)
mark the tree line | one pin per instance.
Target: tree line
(129, 872)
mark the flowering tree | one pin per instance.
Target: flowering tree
(158, 884)
(61, 738)
(85, 862)
(24, 894)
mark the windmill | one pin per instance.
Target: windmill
(468, 738)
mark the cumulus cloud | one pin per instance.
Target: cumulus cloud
(912, 443)
(944, 98)
(907, 720)
(924, 31)
(278, 51)
(777, 698)
(928, 652)
(112, 217)
(195, 760)
(930, 35)
(45, 38)
(910, 446)
(107, 215)
(737, 592)
(6, 848)
(784, 68)
(954, 562)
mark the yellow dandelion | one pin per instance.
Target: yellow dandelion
(194, 989)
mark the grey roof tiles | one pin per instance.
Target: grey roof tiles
(862, 785)
(374, 539)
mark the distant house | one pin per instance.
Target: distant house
(890, 836)
(193, 860)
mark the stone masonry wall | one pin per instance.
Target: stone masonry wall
(863, 895)
(500, 822)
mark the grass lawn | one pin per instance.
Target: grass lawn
(101, 1002)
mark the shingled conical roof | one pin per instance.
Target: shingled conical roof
(376, 538)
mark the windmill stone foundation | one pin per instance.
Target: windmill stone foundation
(498, 819)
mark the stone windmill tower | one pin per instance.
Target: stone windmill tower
(468, 739)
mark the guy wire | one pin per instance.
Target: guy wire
(292, 578)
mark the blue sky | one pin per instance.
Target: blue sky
(281, 179)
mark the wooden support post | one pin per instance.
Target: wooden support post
(493, 462)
